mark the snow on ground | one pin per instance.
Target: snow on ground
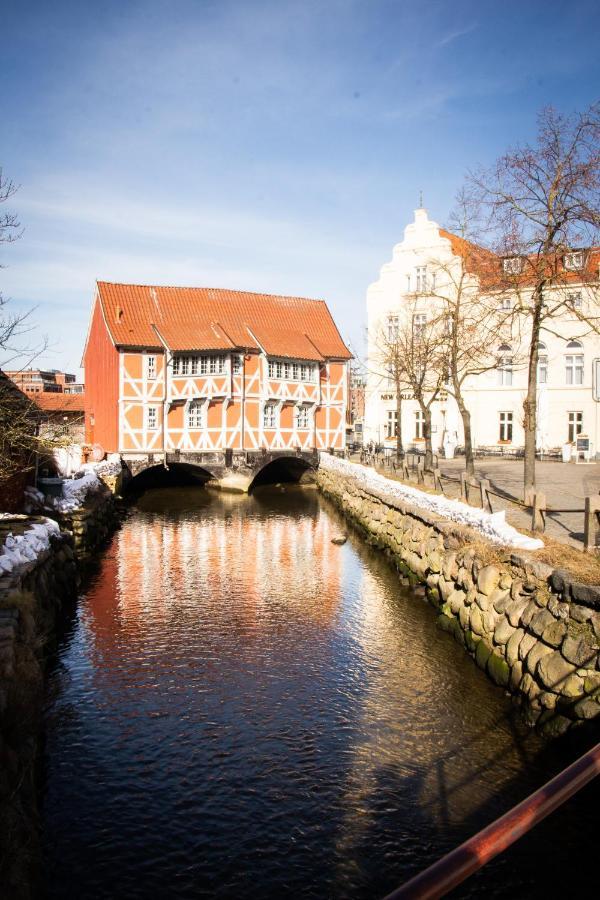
(24, 548)
(493, 526)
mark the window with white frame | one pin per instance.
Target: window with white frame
(506, 303)
(393, 329)
(419, 425)
(542, 368)
(573, 261)
(151, 367)
(236, 364)
(505, 364)
(574, 363)
(408, 286)
(421, 278)
(512, 265)
(506, 427)
(194, 414)
(419, 323)
(291, 371)
(152, 418)
(575, 300)
(270, 415)
(575, 425)
(391, 427)
(302, 420)
(193, 365)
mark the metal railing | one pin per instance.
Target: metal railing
(459, 864)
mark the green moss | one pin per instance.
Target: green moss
(482, 654)
(498, 670)
(472, 640)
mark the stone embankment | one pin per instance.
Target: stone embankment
(40, 576)
(532, 629)
(31, 597)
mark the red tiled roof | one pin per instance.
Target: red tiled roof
(488, 265)
(216, 319)
(59, 402)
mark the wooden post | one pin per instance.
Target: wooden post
(538, 513)
(590, 527)
(464, 496)
(420, 473)
(484, 488)
(437, 480)
(405, 470)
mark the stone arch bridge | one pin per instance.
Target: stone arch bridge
(228, 470)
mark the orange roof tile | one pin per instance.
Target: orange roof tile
(56, 401)
(217, 319)
(489, 266)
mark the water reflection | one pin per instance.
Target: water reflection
(244, 708)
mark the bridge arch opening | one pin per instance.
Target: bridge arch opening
(284, 470)
(176, 475)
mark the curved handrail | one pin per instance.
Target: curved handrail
(456, 866)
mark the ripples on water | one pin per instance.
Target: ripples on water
(241, 708)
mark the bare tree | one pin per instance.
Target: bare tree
(542, 201)
(471, 324)
(20, 439)
(388, 359)
(420, 347)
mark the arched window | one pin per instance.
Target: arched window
(505, 363)
(574, 362)
(542, 370)
(194, 414)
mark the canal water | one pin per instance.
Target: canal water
(240, 708)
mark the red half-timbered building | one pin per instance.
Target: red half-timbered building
(201, 370)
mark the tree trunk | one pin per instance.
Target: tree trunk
(399, 447)
(427, 436)
(530, 402)
(466, 420)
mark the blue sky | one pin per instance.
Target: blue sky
(275, 146)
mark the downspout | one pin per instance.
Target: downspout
(243, 435)
(165, 411)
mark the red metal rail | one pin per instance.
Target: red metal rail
(457, 865)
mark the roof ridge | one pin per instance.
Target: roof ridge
(183, 287)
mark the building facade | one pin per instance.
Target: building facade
(569, 352)
(203, 370)
(40, 381)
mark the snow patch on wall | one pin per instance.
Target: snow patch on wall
(492, 526)
(20, 549)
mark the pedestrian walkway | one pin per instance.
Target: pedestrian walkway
(565, 485)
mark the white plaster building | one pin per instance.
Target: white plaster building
(569, 364)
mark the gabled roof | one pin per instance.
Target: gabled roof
(184, 318)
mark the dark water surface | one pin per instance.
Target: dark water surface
(241, 708)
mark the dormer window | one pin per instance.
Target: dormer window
(573, 261)
(512, 265)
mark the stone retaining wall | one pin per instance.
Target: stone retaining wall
(533, 630)
(30, 598)
(90, 524)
